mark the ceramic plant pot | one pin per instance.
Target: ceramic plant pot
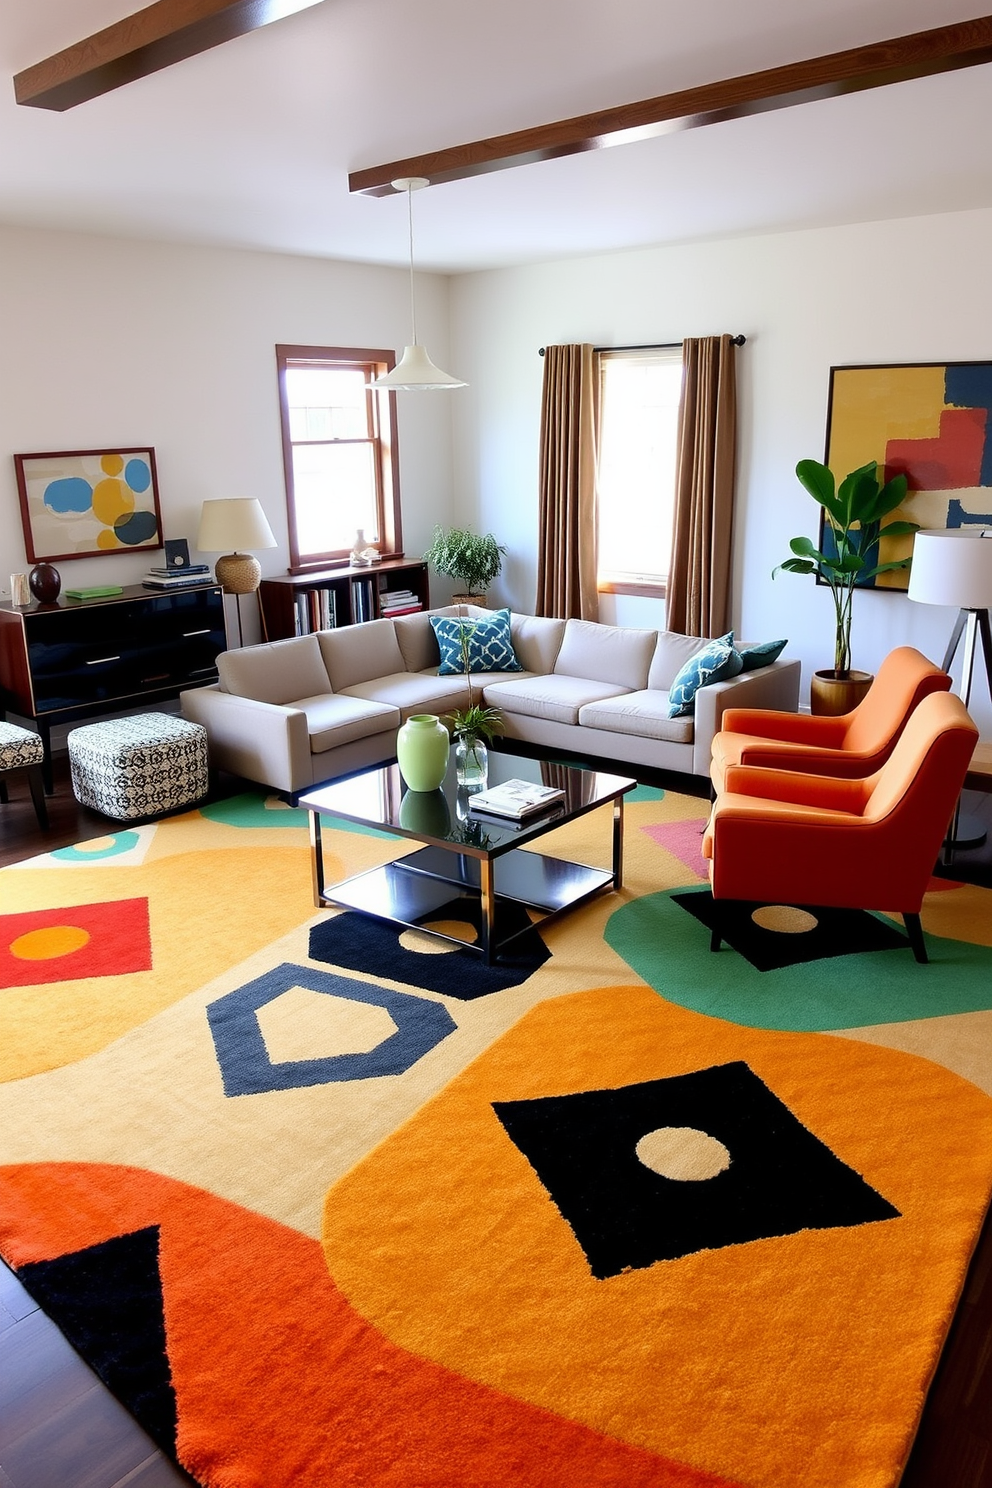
(422, 747)
(830, 694)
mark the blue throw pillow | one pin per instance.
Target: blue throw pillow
(761, 655)
(715, 662)
(490, 648)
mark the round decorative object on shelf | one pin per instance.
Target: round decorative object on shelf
(238, 573)
(422, 748)
(830, 695)
(45, 583)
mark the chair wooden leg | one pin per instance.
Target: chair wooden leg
(3, 790)
(915, 932)
(715, 939)
(37, 784)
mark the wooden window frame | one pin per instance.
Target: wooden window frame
(383, 437)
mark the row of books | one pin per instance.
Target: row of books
(172, 578)
(316, 609)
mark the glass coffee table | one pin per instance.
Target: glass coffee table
(464, 856)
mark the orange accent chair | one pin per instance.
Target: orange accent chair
(787, 838)
(850, 745)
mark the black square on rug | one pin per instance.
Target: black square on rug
(362, 944)
(659, 1170)
(791, 933)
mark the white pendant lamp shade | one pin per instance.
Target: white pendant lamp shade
(953, 566)
(237, 523)
(414, 372)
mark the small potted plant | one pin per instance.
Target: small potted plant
(474, 728)
(852, 530)
(464, 556)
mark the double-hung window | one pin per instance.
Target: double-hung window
(340, 452)
(638, 434)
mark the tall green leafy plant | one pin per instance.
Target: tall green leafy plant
(852, 528)
(473, 560)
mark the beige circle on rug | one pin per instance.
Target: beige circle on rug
(784, 919)
(429, 945)
(683, 1153)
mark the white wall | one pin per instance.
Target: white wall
(108, 342)
(907, 291)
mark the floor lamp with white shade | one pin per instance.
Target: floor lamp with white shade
(238, 523)
(953, 566)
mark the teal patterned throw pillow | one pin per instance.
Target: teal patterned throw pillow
(762, 654)
(715, 662)
(490, 648)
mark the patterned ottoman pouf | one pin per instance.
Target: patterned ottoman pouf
(140, 766)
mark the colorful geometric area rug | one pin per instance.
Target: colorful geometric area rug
(328, 1203)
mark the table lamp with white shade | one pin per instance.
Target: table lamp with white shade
(953, 566)
(237, 523)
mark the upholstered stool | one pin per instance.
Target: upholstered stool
(140, 766)
(21, 753)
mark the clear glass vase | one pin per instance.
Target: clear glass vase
(471, 762)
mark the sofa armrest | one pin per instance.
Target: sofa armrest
(261, 741)
(775, 686)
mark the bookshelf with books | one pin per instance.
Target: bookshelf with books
(298, 604)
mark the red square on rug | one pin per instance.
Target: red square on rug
(683, 839)
(85, 940)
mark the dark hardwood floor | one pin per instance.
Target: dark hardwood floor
(60, 1428)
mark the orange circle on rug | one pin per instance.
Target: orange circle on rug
(783, 919)
(50, 942)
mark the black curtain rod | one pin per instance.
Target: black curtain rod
(652, 346)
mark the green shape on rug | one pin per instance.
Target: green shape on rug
(645, 793)
(258, 809)
(670, 950)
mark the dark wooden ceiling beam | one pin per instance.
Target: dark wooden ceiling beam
(923, 54)
(168, 31)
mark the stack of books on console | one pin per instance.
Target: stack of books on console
(515, 800)
(177, 578)
(398, 602)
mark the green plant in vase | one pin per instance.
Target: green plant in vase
(852, 530)
(474, 728)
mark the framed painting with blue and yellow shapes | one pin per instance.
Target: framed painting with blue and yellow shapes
(88, 503)
(930, 421)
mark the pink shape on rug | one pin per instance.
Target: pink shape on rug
(683, 839)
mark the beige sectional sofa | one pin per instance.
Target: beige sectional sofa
(292, 713)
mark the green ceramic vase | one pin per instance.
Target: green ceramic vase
(422, 747)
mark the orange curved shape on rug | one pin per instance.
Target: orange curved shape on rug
(795, 1359)
(278, 1380)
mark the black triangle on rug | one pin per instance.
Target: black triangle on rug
(107, 1301)
(773, 936)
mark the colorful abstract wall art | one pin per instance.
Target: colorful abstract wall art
(930, 421)
(87, 503)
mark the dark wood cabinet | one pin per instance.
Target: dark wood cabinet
(75, 658)
(300, 603)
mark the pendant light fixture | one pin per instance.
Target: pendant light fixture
(415, 370)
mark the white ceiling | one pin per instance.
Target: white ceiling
(251, 143)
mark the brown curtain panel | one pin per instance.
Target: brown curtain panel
(699, 576)
(566, 565)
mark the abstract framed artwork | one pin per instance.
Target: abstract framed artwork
(88, 503)
(932, 422)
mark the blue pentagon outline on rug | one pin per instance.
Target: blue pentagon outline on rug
(671, 951)
(247, 1069)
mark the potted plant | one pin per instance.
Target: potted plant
(473, 729)
(851, 533)
(474, 561)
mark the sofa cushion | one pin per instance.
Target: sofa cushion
(333, 720)
(644, 714)
(417, 641)
(415, 692)
(358, 653)
(556, 698)
(762, 654)
(671, 653)
(536, 640)
(275, 672)
(486, 643)
(606, 653)
(716, 662)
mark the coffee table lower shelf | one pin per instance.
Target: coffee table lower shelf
(410, 889)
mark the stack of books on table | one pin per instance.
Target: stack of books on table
(177, 578)
(398, 602)
(515, 800)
